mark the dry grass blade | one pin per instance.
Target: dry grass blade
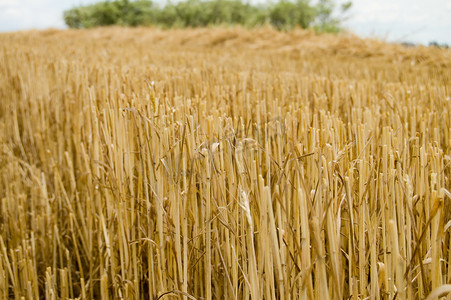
(140, 163)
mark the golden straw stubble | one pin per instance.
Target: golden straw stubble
(222, 163)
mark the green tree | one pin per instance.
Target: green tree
(287, 14)
(325, 20)
(283, 15)
(119, 12)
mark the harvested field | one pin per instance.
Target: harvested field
(223, 164)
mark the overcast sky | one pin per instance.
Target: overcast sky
(420, 21)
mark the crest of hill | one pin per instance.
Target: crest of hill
(297, 42)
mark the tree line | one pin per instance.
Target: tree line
(323, 16)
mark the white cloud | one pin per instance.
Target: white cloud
(12, 12)
(7, 2)
(30, 14)
(412, 20)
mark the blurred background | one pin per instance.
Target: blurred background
(411, 21)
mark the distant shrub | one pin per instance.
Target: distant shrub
(287, 14)
(106, 13)
(196, 13)
(283, 15)
(438, 45)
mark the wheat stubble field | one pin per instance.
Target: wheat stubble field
(223, 164)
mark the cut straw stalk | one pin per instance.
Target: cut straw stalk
(153, 165)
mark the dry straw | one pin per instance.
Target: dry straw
(223, 163)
